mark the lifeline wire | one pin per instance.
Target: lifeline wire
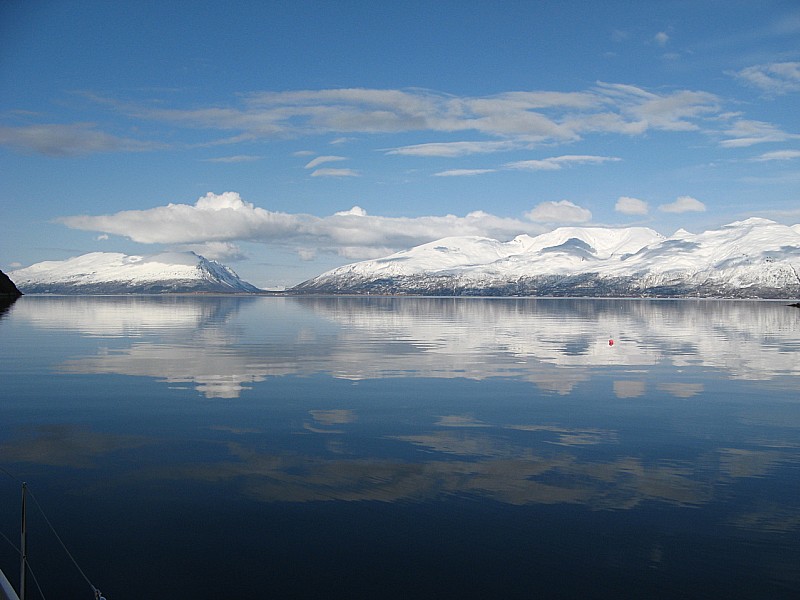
(55, 533)
(58, 537)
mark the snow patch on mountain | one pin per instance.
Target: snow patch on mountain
(116, 273)
(751, 258)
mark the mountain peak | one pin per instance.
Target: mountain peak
(117, 273)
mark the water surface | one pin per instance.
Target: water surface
(255, 447)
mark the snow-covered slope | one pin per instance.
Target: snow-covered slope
(115, 273)
(755, 258)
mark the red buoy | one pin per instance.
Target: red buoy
(610, 342)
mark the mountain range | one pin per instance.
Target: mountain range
(754, 258)
(115, 273)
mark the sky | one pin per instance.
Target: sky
(287, 138)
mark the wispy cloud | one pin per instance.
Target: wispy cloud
(453, 149)
(328, 172)
(511, 120)
(683, 204)
(239, 158)
(522, 117)
(553, 163)
(772, 78)
(322, 160)
(556, 163)
(75, 139)
(464, 172)
(777, 155)
(745, 133)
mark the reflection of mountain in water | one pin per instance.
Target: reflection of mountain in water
(221, 344)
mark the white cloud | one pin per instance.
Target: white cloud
(307, 254)
(219, 219)
(772, 78)
(562, 211)
(355, 211)
(661, 38)
(631, 206)
(777, 155)
(745, 133)
(683, 204)
(531, 117)
(464, 172)
(558, 162)
(554, 163)
(453, 149)
(335, 173)
(102, 237)
(322, 160)
(234, 159)
(224, 252)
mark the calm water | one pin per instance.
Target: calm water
(189, 447)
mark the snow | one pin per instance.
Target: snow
(113, 271)
(752, 254)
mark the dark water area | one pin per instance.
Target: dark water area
(258, 447)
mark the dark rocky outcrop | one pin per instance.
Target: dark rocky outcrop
(7, 287)
(8, 293)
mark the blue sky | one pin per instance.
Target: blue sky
(287, 138)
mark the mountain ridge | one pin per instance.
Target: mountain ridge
(117, 273)
(753, 258)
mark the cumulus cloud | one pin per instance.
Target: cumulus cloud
(772, 78)
(322, 160)
(215, 222)
(631, 206)
(562, 211)
(683, 204)
(661, 38)
(75, 139)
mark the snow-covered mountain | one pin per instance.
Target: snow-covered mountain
(115, 273)
(755, 258)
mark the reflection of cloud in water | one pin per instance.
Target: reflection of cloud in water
(548, 466)
(221, 345)
(124, 316)
(625, 388)
(682, 390)
(738, 462)
(333, 417)
(64, 446)
(504, 475)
